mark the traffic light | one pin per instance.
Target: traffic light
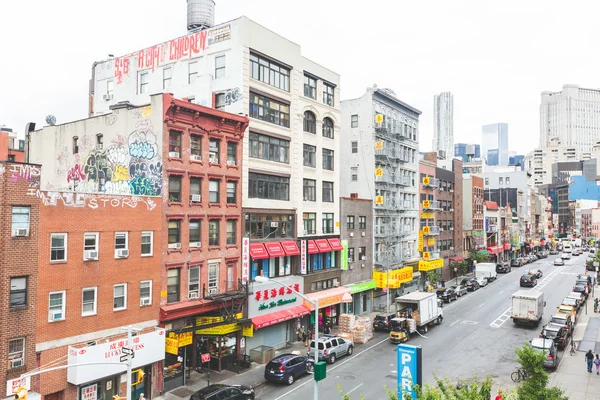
(21, 393)
(137, 377)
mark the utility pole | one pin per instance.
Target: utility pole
(129, 357)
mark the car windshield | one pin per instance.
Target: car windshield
(557, 320)
(551, 334)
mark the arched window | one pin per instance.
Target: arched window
(328, 128)
(310, 122)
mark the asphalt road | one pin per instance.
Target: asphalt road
(475, 339)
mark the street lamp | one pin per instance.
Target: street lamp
(315, 303)
(388, 249)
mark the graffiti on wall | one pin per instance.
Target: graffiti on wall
(25, 172)
(2, 170)
(93, 201)
(233, 96)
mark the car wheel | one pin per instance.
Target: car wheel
(290, 379)
(332, 359)
(310, 368)
(350, 350)
(425, 329)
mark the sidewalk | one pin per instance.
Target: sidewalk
(571, 374)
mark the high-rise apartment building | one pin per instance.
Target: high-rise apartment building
(495, 136)
(467, 151)
(443, 124)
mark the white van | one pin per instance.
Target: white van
(568, 248)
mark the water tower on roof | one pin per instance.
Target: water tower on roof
(200, 14)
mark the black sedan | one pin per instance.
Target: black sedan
(470, 283)
(287, 367)
(557, 333)
(447, 294)
(527, 280)
(503, 267)
(222, 391)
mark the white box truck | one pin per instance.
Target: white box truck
(527, 307)
(421, 307)
(486, 270)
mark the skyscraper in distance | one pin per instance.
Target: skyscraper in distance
(443, 124)
(495, 136)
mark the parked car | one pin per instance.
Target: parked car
(382, 322)
(503, 267)
(565, 256)
(559, 262)
(573, 302)
(515, 262)
(564, 320)
(460, 290)
(470, 283)
(554, 252)
(556, 333)
(577, 296)
(522, 261)
(547, 347)
(581, 289)
(287, 367)
(527, 280)
(536, 272)
(220, 391)
(567, 310)
(482, 281)
(446, 294)
(331, 347)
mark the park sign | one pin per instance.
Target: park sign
(410, 369)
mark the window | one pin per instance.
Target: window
(269, 225)
(18, 291)
(220, 101)
(310, 122)
(350, 254)
(90, 244)
(75, 145)
(310, 190)
(16, 353)
(147, 238)
(507, 181)
(110, 87)
(167, 73)
(362, 222)
(328, 159)
(269, 148)
(20, 221)
(173, 285)
(175, 188)
(230, 269)
(174, 144)
(143, 82)
(310, 223)
(195, 190)
(174, 231)
(192, 72)
(328, 128)
(328, 94)
(145, 293)
(213, 191)
(271, 187)
(58, 247)
(354, 121)
(310, 87)
(56, 306)
(269, 72)
(194, 283)
(354, 145)
(327, 222)
(231, 153)
(219, 67)
(214, 147)
(231, 192)
(350, 221)
(362, 253)
(213, 278)
(99, 141)
(231, 232)
(213, 232)
(195, 232)
(120, 297)
(310, 156)
(88, 301)
(121, 240)
(269, 110)
(354, 174)
(327, 192)
(196, 147)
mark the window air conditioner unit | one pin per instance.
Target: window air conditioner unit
(362, 265)
(107, 97)
(362, 234)
(452, 210)
(214, 160)
(351, 234)
(350, 259)
(452, 228)
(145, 302)
(451, 190)
(213, 290)
(230, 162)
(122, 253)
(196, 157)
(363, 258)
(174, 245)
(174, 154)
(196, 198)
(90, 255)
(20, 232)
(306, 232)
(195, 244)
(441, 189)
(16, 363)
(193, 295)
(336, 283)
(55, 316)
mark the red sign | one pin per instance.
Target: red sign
(205, 357)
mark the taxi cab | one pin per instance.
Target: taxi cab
(567, 310)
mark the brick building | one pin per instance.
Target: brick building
(19, 233)
(430, 212)
(457, 213)
(472, 208)
(11, 147)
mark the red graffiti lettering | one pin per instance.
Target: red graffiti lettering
(76, 172)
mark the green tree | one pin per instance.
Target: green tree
(536, 384)
(434, 276)
(479, 256)
(462, 267)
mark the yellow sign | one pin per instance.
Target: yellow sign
(426, 203)
(378, 199)
(396, 277)
(426, 180)
(378, 171)
(171, 345)
(378, 145)
(213, 319)
(337, 224)
(431, 242)
(431, 265)
(420, 241)
(426, 215)
(163, 293)
(185, 338)
(219, 330)
(379, 118)
(426, 230)
(426, 255)
(248, 331)
(146, 111)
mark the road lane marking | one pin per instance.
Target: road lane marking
(502, 291)
(350, 391)
(337, 365)
(481, 305)
(452, 324)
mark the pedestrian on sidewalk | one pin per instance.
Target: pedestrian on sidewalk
(589, 359)
(499, 396)
(596, 304)
(597, 364)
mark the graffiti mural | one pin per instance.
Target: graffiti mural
(233, 96)
(75, 173)
(93, 201)
(2, 169)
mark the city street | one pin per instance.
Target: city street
(475, 339)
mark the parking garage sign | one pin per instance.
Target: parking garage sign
(409, 369)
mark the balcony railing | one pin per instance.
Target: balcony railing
(430, 205)
(429, 182)
(433, 255)
(408, 205)
(431, 230)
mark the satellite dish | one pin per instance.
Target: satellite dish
(51, 120)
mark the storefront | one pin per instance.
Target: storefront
(96, 382)
(507, 251)
(495, 252)
(329, 304)
(323, 254)
(362, 298)
(272, 259)
(178, 359)
(222, 341)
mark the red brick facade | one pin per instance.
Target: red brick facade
(18, 258)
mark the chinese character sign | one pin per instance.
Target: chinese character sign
(89, 392)
(378, 171)
(426, 255)
(426, 203)
(378, 199)
(245, 259)
(378, 146)
(426, 230)
(303, 257)
(378, 118)
(421, 240)
(426, 180)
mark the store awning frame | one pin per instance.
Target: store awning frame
(279, 316)
(274, 249)
(335, 244)
(312, 247)
(258, 251)
(290, 247)
(323, 245)
(329, 297)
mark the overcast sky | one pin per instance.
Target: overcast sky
(495, 60)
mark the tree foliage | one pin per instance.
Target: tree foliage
(462, 267)
(479, 257)
(536, 384)
(434, 276)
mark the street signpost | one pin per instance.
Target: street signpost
(205, 358)
(410, 369)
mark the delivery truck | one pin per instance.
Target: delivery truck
(486, 270)
(421, 307)
(527, 307)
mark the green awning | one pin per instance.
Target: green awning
(361, 286)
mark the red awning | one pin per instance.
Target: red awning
(279, 316)
(312, 247)
(257, 251)
(323, 245)
(457, 259)
(274, 249)
(335, 244)
(290, 247)
(507, 246)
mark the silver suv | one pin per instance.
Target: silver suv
(331, 347)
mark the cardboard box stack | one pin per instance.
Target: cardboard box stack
(363, 330)
(345, 325)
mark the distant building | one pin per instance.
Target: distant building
(467, 151)
(518, 160)
(11, 147)
(443, 124)
(495, 136)
(538, 162)
(493, 156)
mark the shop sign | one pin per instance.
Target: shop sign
(426, 215)
(219, 330)
(344, 254)
(431, 242)
(379, 119)
(270, 297)
(185, 339)
(396, 278)
(13, 385)
(171, 345)
(147, 347)
(431, 265)
(378, 172)
(361, 287)
(278, 303)
(207, 320)
(378, 145)
(89, 392)
(303, 257)
(248, 331)
(245, 259)
(421, 240)
(379, 200)
(410, 370)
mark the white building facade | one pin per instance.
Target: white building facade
(443, 125)
(538, 162)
